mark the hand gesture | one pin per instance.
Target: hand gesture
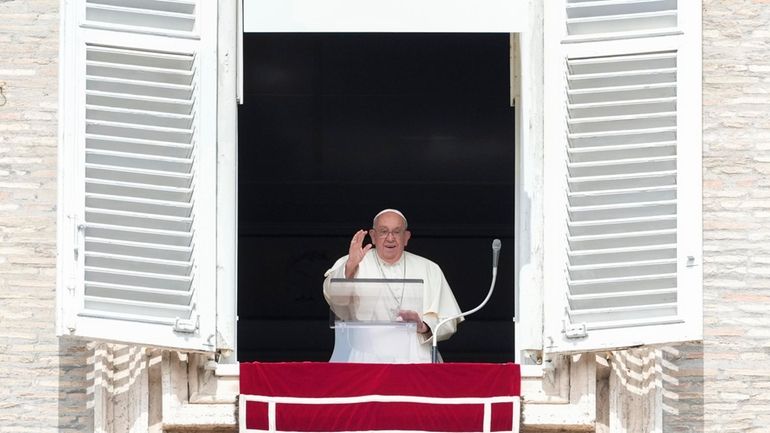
(413, 316)
(356, 253)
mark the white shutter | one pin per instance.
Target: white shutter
(137, 162)
(622, 174)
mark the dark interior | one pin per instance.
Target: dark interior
(334, 128)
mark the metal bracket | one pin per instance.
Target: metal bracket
(187, 326)
(576, 330)
(78, 230)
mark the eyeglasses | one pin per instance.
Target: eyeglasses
(384, 233)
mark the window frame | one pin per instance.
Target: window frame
(528, 95)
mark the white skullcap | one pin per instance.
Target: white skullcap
(395, 211)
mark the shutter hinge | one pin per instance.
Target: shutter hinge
(188, 326)
(78, 230)
(575, 330)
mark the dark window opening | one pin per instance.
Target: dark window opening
(336, 127)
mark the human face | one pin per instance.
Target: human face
(390, 246)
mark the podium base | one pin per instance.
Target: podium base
(378, 343)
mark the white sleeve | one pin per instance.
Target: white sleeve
(440, 304)
(336, 271)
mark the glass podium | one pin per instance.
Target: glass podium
(365, 314)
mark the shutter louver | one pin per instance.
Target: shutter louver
(621, 231)
(608, 18)
(166, 16)
(620, 155)
(146, 151)
(122, 175)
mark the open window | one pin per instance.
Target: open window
(141, 195)
(337, 126)
(622, 170)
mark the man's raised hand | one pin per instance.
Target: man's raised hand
(356, 253)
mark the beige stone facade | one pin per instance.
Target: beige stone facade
(736, 215)
(721, 385)
(43, 380)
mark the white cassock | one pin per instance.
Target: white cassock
(381, 345)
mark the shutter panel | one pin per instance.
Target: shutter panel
(138, 171)
(622, 174)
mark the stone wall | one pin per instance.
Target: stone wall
(43, 385)
(723, 384)
(736, 215)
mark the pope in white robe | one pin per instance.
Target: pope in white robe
(386, 259)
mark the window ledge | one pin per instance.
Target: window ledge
(228, 370)
(561, 396)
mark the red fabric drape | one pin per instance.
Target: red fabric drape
(324, 380)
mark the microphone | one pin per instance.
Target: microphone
(496, 244)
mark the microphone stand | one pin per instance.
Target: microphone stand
(496, 244)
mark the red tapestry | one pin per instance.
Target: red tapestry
(343, 397)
